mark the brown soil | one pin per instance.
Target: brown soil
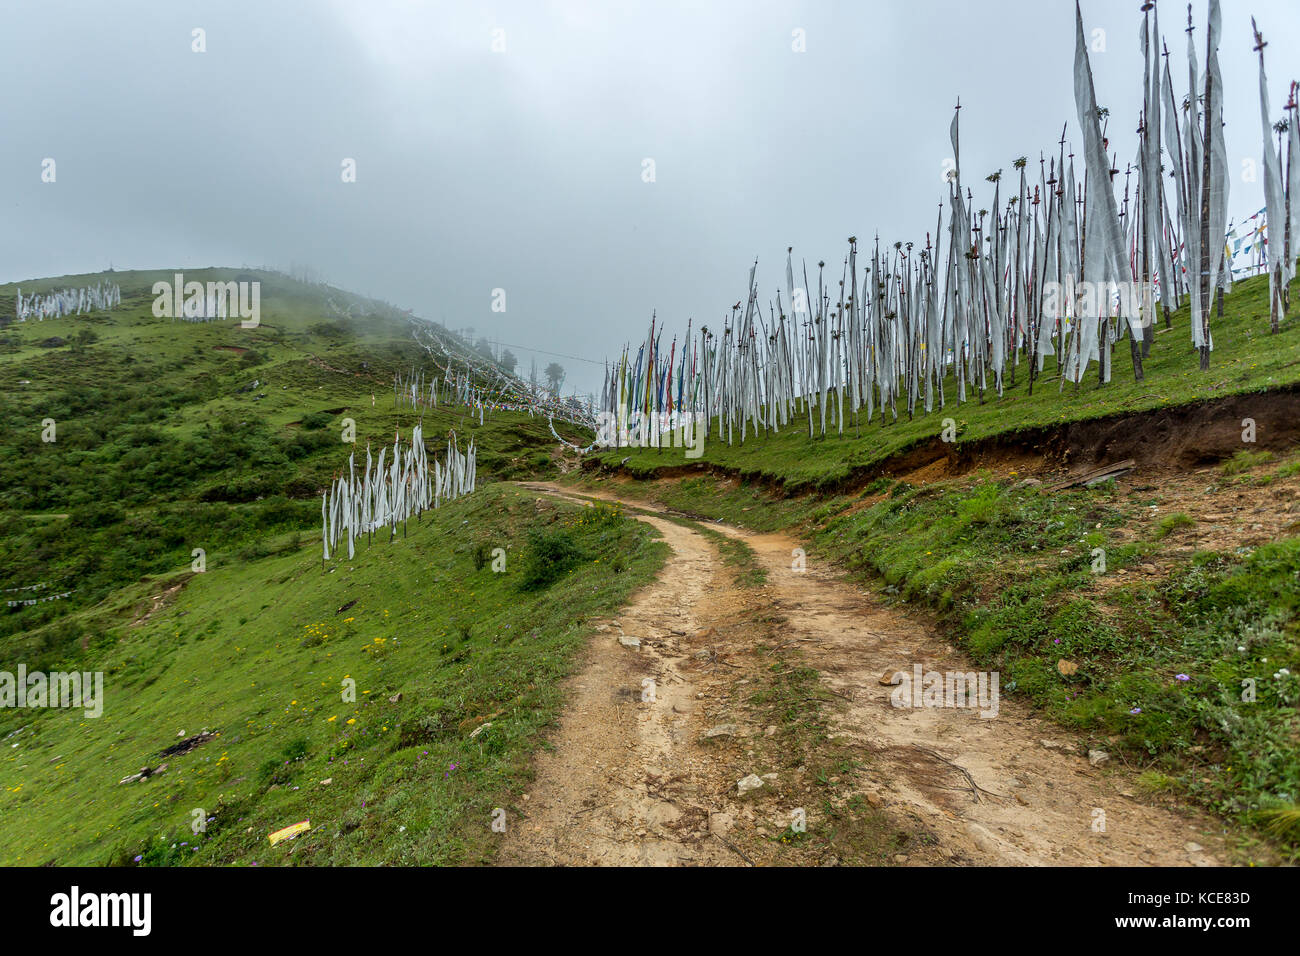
(630, 781)
(1181, 436)
(1178, 437)
(164, 598)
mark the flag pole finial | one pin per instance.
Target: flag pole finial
(1259, 38)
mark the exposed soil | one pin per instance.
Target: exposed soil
(1174, 437)
(566, 459)
(188, 744)
(162, 599)
(630, 781)
(1227, 512)
(1177, 437)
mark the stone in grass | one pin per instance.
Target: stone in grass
(722, 730)
(479, 729)
(1098, 757)
(752, 782)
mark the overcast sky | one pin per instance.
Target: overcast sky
(524, 169)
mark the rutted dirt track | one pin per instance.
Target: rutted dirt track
(603, 793)
(630, 781)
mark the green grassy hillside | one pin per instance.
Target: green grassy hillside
(260, 653)
(172, 436)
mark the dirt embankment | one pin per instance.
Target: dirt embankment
(1172, 438)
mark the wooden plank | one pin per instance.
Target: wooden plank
(1094, 475)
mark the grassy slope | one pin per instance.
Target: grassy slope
(158, 436)
(256, 651)
(162, 447)
(1246, 358)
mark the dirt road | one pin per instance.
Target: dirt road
(633, 778)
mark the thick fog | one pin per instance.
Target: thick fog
(594, 161)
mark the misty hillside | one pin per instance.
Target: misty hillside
(171, 435)
(232, 680)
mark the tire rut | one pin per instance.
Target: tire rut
(626, 781)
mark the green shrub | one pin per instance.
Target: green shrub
(1173, 522)
(316, 420)
(96, 516)
(550, 555)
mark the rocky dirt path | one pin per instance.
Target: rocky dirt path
(628, 779)
(632, 781)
